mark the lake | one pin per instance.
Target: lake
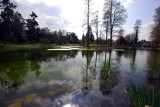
(80, 78)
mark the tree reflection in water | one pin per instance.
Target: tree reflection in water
(153, 74)
(12, 72)
(132, 64)
(16, 64)
(86, 77)
(108, 75)
(93, 79)
(108, 72)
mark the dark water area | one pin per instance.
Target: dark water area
(74, 78)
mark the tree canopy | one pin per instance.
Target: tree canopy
(15, 29)
(155, 34)
(114, 16)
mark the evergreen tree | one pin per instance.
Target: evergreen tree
(19, 28)
(91, 36)
(6, 21)
(137, 26)
(32, 25)
(83, 39)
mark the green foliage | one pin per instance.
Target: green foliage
(6, 16)
(137, 26)
(91, 36)
(71, 38)
(121, 41)
(32, 35)
(142, 96)
(16, 64)
(15, 29)
(83, 39)
(18, 28)
(45, 41)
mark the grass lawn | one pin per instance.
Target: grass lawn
(36, 45)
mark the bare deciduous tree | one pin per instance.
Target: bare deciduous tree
(121, 32)
(106, 22)
(114, 16)
(95, 23)
(88, 4)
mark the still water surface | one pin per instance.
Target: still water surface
(43, 78)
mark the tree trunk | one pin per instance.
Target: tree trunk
(136, 38)
(111, 37)
(106, 37)
(97, 27)
(88, 26)
(111, 26)
(106, 32)
(97, 37)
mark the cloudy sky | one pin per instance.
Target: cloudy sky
(69, 14)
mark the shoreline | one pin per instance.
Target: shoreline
(76, 46)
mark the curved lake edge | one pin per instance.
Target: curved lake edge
(81, 47)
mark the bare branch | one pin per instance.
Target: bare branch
(114, 16)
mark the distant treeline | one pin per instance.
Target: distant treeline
(15, 29)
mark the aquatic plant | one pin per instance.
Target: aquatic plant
(143, 96)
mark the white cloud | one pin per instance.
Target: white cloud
(62, 14)
(144, 31)
(128, 2)
(46, 14)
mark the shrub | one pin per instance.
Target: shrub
(144, 44)
(45, 41)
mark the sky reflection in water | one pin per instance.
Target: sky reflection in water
(38, 77)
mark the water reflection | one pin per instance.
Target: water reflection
(82, 78)
(130, 54)
(153, 73)
(133, 60)
(119, 54)
(15, 65)
(86, 77)
(108, 76)
(12, 73)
